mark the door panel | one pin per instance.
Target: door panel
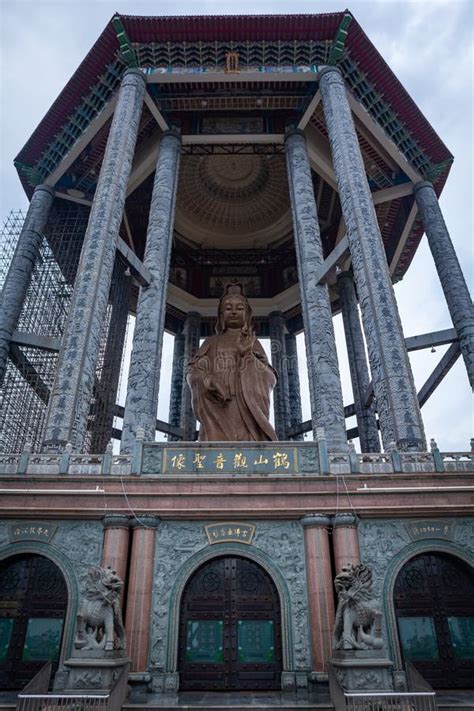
(434, 605)
(230, 631)
(33, 601)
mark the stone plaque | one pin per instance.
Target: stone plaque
(430, 529)
(31, 532)
(230, 532)
(230, 460)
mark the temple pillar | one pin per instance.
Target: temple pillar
(327, 408)
(141, 403)
(366, 420)
(112, 361)
(21, 268)
(115, 545)
(177, 383)
(394, 387)
(449, 271)
(69, 404)
(294, 390)
(281, 397)
(320, 588)
(192, 334)
(140, 591)
(345, 540)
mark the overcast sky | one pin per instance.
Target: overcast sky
(427, 43)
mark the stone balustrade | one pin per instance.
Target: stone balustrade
(230, 460)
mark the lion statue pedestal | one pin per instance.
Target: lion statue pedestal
(99, 654)
(359, 660)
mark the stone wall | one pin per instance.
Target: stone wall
(387, 544)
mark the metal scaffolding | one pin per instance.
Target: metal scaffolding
(34, 349)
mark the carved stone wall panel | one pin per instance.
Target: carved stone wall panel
(385, 545)
(279, 543)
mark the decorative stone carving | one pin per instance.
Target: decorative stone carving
(99, 622)
(279, 541)
(358, 622)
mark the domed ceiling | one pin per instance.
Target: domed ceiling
(232, 201)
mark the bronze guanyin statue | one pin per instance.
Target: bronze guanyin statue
(230, 377)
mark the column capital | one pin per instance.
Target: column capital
(422, 184)
(345, 519)
(291, 132)
(329, 69)
(345, 275)
(116, 521)
(45, 188)
(146, 521)
(134, 71)
(171, 133)
(315, 520)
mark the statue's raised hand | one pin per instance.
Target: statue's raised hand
(245, 342)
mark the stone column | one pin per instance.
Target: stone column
(112, 361)
(449, 271)
(294, 390)
(69, 403)
(320, 588)
(177, 381)
(21, 268)
(192, 332)
(394, 387)
(366, 421)
(327, 408)
(140, 591)
(281, 397)
(115, 545)
(345, 540)
(144, 376)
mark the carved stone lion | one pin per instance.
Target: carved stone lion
(99, 622)
(358, 622)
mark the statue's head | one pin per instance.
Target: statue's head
(234, 310)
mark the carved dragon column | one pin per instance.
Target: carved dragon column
(140, 590)
(327, 409)
(366, 421)
(394, 387)
(449, 271)
(69, 404)
(320, 588)
(177, 383)
(145, 365)
(296, 416)
(281, 395)
(192, 332)
(345, 540)
(116, 543)
(21, 268)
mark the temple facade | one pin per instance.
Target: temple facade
(186, 154)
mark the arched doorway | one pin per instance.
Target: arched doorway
(33, 603)
(434, 607)
(230, 628)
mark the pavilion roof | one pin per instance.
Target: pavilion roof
(253, 28)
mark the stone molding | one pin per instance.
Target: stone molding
(145, 521)
(345, 519)
(116, 521)
(316, 520)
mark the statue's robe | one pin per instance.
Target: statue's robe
(247, 382)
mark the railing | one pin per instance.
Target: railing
(35, 697)
(420, 697)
